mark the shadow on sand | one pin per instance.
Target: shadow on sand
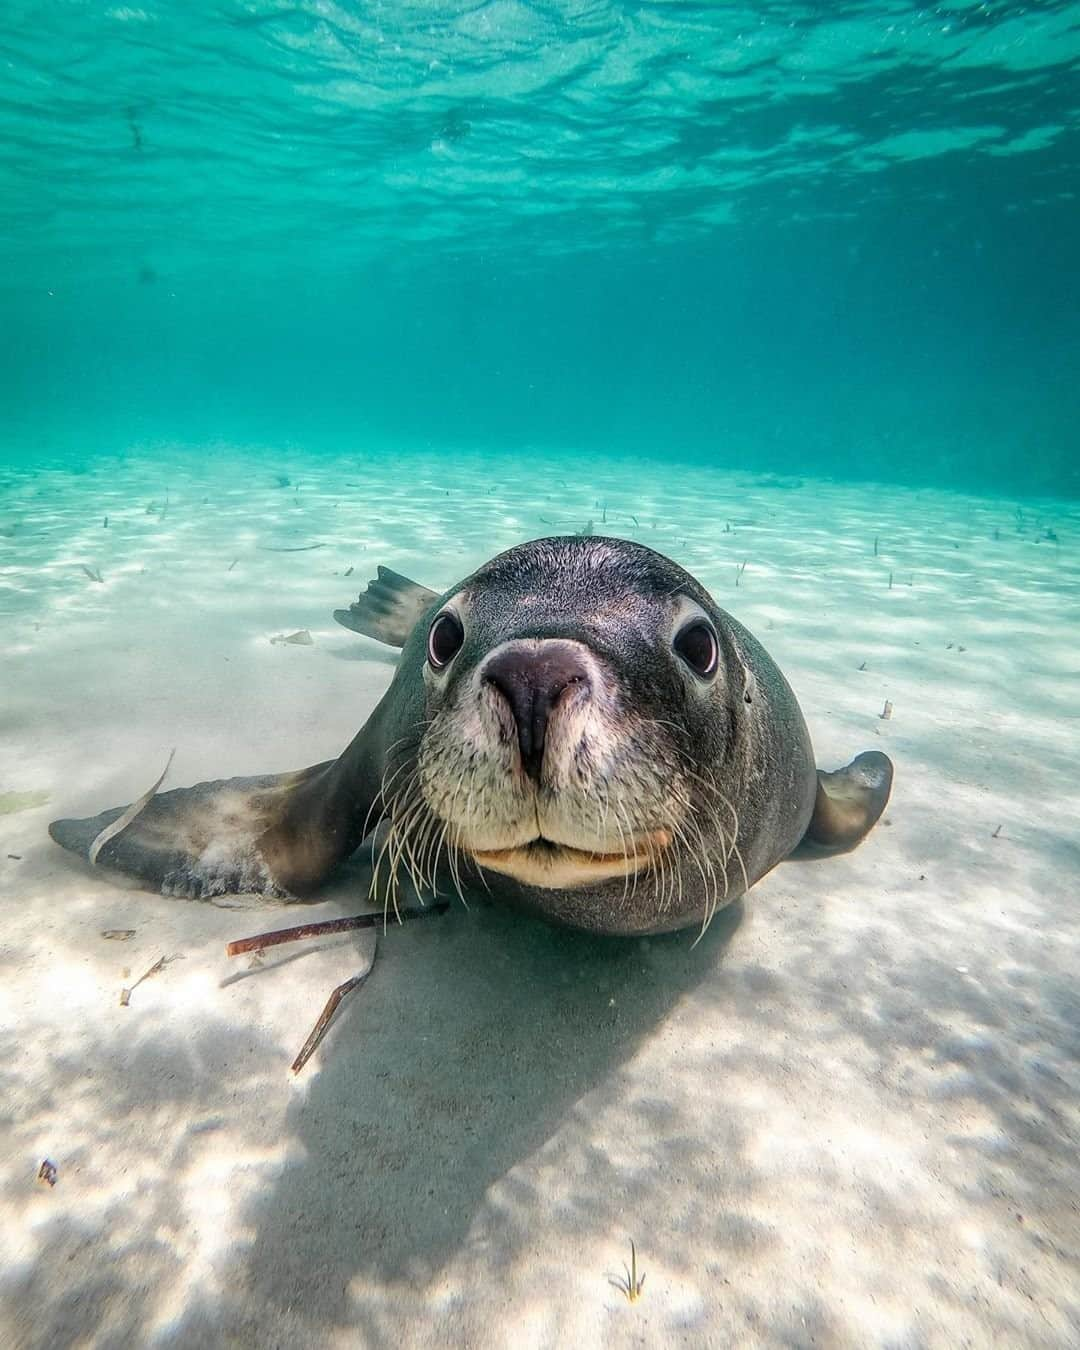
(473, 1040)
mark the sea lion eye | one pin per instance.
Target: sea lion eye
(445, 637)
(697, 645)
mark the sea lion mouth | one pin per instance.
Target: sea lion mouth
(554, 865)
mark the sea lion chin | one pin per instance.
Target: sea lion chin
(576, 726)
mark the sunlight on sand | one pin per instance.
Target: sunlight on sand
(845, 1116)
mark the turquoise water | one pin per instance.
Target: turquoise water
(836, 240)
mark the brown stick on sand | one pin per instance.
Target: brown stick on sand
(306, 930)
(318, 1031)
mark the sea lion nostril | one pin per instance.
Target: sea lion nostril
(533, 680)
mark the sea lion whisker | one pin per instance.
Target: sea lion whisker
(734, 838)
(677, 866)
(453, 856)
(667, 869)
(716, 898)
(711, 902)
(391, 881)
(384, 798)
(623, 849)
(386, 786)
(742, 867)
(396, 858)
(401, 794)
(600, 819)
(627, 844)
(401, 740)
(695, 846)
(424, 848)
(451, 842)
(681, 732)
(391, 851)
(409, 844)
(434, 844)
(451, 810)
(730, 849)
(429, 847)
(432, 831)
(410, 742)
(481, 872)
(661, 864)
(414, 814)
(444, 839)
(714, 787)
(693, 849)
(655, 866)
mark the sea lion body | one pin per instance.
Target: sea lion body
(576, 726)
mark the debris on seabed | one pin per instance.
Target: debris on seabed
(631, 1286)
(159, 965)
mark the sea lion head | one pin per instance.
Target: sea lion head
(581, 704)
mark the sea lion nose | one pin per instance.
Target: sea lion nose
(533, 679)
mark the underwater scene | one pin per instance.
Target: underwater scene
(540, 674)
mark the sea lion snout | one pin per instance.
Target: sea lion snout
(534, 677)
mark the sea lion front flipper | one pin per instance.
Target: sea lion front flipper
(848, 805)
(278, 835)
(389, 609)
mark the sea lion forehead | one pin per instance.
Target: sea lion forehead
(581, 571)
(586, 587)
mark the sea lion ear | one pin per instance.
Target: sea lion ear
(277, 836)
(389, 609)
(848, 805)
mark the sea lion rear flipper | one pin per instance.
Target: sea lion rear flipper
(389, 609)
(278, 835)
(848, 805)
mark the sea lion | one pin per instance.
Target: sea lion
(577, 725)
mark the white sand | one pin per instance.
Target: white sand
(849, 1117)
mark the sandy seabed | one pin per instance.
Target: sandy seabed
(849, 1116)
